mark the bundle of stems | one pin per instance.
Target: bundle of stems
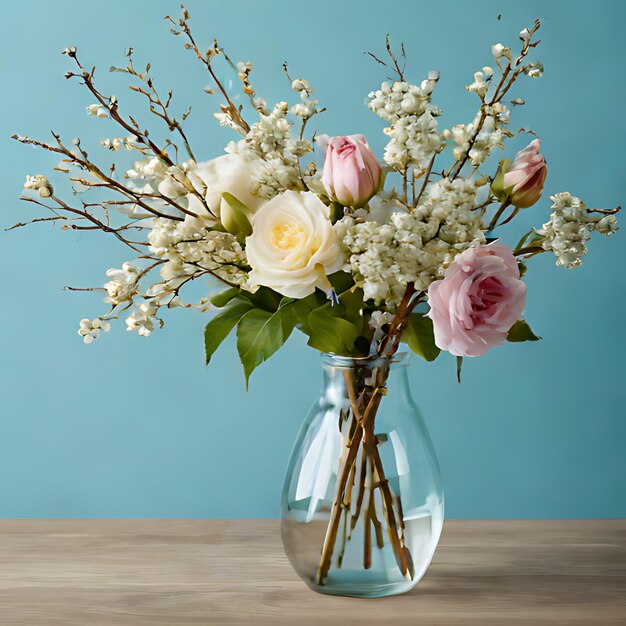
(361, 470)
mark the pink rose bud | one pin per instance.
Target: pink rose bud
(526, 176)
(351, 172)
(477, 302)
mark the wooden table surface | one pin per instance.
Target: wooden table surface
(118, 572)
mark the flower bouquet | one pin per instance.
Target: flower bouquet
(357, 253)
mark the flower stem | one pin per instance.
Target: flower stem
(367, 530)
(348, 458)
(361, 437)
(497, 215)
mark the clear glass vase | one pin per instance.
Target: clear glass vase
(362, 505)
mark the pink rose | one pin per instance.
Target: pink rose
(526, 176)
(351, 171)
(480, 298)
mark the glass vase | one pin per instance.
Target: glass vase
(362, 505)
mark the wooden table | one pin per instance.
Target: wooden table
(118, 572)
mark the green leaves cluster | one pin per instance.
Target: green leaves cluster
(265, 320)
(258, 318)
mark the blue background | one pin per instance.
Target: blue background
(133, 427)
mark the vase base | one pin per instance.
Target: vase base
(382, 578)
(355, 588)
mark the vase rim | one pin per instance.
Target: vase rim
(349, 362)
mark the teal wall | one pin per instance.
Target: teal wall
(129, 427)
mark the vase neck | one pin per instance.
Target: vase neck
(358, 374)
(400, 359)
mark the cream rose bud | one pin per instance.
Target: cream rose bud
(232, 173)
(293, 245)
(351, 172)
(526, 176)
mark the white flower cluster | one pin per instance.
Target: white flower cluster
(143, 320)
(123, 286)
(97, 110)
(570, 227)
(308, 107)
(90, 329)
(190, 246)
(413, 129)
(152, 176)
(187, 249)
(500, 51)
(491, 134)
(270, 139)
(147, 175)
(40, 184)
(480, 86)
(118, 143)
(412, 247)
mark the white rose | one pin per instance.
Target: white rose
(293, 246)
(233, 173)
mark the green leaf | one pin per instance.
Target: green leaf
(420, 337)
(328, 332)
(459, 366)
(235, 217)
(381, 182)
(260, 334)
(264, 298)
(497, 186)
(220, 300)
(300, 310)
(520, 331)
(336, 210)
(220, 326)
(522, 241)
(341, 281)
(352, 303)
(317, 299)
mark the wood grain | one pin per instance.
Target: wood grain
(118, 572)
